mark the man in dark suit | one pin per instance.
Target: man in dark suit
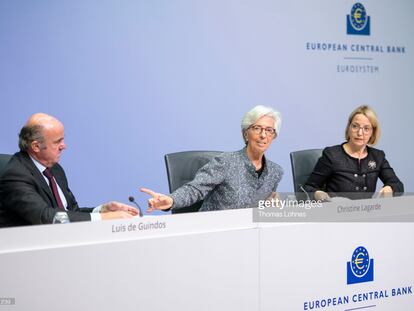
(34, 186)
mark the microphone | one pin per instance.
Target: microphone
(132, 200)
(307, 194)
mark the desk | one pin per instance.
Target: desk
(204, 261)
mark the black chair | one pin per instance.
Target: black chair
(303, 162)
(4, 159)
(182, 167)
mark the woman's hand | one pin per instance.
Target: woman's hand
(321, 196)
(386, 192)
(158, 201)
(274, 196)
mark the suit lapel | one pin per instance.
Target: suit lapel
(38, 176)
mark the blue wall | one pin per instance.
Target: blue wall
(133, 80)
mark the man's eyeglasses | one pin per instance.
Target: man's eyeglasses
(365, 129)
(257, 129)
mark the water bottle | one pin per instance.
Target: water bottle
(61, 218)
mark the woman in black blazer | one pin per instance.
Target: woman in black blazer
(352, 169)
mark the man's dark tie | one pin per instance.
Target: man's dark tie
(52, 183)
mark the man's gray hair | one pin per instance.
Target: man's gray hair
(256, 113)
(28, 134)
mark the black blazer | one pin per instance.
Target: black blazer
(26, 198)
(342, 175)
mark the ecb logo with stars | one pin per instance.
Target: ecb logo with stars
(361, 268)
(358, 22)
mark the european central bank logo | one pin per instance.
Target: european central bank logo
(358, 22)
(361, 268)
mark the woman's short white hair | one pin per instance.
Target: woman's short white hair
(256, 113)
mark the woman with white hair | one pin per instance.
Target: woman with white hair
(232, 179)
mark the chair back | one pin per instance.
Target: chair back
(303, 162)
(182, 168)
(4, 159)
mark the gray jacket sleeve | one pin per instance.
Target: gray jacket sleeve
(206, 179)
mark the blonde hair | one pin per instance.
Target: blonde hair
(373, 119)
